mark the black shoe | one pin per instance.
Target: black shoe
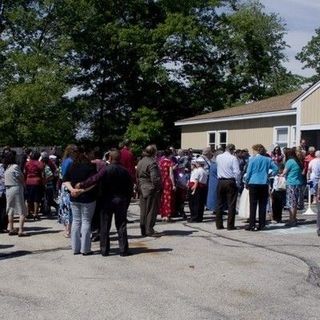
(76, 253)
(90, 253)
(232, 228)
(220, 228)
(105, 254)
(248, 228)
(125, 254)
(154, 234)
(143, 230)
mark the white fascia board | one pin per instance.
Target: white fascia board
(304, 95)
(310, 127)
(238, 118)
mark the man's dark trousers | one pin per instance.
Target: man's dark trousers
(119, 207)
(227, 193)
(149, 209)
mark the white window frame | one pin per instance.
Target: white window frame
(275, 130)
(217, 137)
(293, 135)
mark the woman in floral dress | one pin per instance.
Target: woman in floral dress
(65, 214)
(168, 185)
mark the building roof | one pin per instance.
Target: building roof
(270, 105)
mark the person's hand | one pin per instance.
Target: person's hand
(77, 186)
(76, 192)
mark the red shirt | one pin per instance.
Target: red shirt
(127, 160)
(33, 172)
(306, 161)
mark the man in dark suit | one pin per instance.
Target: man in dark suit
(149, 185)
(117, 187)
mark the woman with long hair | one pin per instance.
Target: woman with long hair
(293, 173)
(277, 156)
(83, 202)
(14, 182)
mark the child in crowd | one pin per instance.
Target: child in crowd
(278, 195)
(197, 190)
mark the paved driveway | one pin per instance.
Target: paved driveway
(192, 272)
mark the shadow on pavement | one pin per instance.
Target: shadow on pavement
(6, 246)
(43, 232)
(140, 250)
(178, 232)
(16, 254)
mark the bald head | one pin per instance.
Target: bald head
(114, 156)
(150, 151)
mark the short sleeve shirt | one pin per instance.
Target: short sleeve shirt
(294, 173)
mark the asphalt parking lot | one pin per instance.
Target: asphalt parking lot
(192, 272)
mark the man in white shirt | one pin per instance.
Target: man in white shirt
(314, 168)
(227, 190)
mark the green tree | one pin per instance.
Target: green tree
(310, 55)
(34, 109)
(180, 57)
(253, 45)
(145, 127)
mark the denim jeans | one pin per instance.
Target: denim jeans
(81, 226)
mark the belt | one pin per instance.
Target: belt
(233, 179)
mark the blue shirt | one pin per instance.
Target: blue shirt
(66, 163)
(294, 173)
(258, 169)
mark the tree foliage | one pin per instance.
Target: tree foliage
(180, 57)
(310, 55)
(145, 127)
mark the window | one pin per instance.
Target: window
(223, 139)
(281, 136)
(217, 139)
(212, 140)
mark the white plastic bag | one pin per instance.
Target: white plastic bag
(244, 205)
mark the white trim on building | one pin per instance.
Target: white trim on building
(236, 118)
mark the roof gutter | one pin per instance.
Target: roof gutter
(237, 118)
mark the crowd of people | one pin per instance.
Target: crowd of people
(87, 188)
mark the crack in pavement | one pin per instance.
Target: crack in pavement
(314, 270)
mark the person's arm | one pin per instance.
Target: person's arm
(93, 180)
(286, 170)
(236, 170)
(76, 192)
(309, 170)
(155, 176)
(172, 177)
(248, 173)
(274, 167)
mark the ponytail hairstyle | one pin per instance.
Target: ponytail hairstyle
(260, 149)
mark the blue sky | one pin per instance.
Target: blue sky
(302, 17)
